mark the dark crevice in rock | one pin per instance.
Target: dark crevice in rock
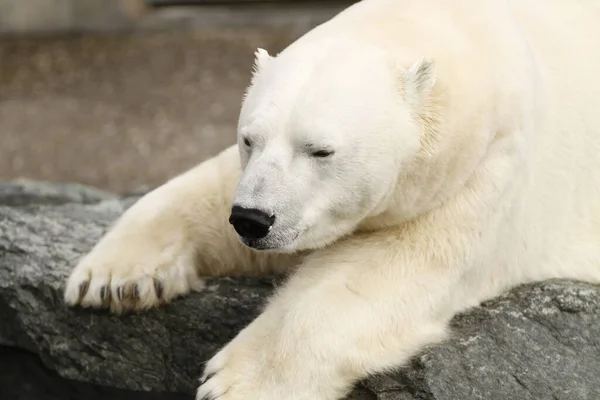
(23, 376)
(360, 392)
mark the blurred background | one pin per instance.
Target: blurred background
(124, 94)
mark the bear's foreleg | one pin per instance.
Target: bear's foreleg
(360, 307)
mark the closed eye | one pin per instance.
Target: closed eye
(322, 153)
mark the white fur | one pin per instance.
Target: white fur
(466, 138)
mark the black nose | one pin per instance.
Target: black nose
(250, 222)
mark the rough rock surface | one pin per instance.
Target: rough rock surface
(539, 341)
(26, 191)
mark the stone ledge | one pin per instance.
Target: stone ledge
(538, 341)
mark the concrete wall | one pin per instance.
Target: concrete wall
(44, 16)
(31, 16)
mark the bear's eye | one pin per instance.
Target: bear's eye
(322, 153)
(247, 142)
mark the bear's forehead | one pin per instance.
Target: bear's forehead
(317, 87)
(305, 93)
(323, 125)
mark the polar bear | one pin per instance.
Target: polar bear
(405, 160)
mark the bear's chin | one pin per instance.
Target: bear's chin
(258, 244)
(276, 244)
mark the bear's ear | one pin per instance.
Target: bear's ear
(261, 57)
(418, 81)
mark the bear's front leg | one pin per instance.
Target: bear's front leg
(362, 306)
(161, 246)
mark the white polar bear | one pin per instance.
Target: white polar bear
(409, 159)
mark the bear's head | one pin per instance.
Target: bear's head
(322, 139)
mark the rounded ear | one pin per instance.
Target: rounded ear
(418, 81)
(261, 57)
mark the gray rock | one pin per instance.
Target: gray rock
(26, 191)
(539, 341)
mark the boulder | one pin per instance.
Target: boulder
(538, 341)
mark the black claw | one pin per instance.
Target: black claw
(158, 288)
(120, 293)
(83, 287)
(209, 376)
(135, 291)
(104, 293)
